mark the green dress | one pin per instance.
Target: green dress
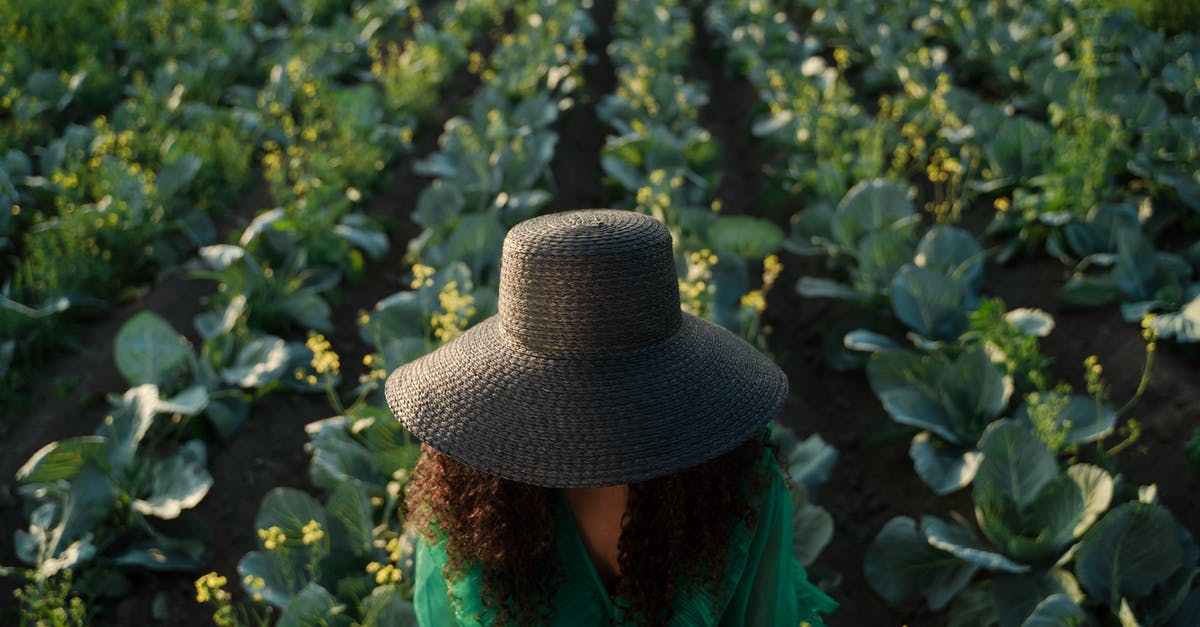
(764, 587)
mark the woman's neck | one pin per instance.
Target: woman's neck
(598, 514)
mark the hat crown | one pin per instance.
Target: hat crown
(593, 281)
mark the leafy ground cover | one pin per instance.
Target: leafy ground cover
(977, 268)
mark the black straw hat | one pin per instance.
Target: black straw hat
(590, 374)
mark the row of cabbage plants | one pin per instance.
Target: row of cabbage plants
(1060, 536)
(1062, 539)
(117, 200)
(344, 558)
(94, 207)
(121, 498)
(361, 457)
(980, 113)
(661, 161)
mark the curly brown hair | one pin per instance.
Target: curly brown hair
(675, 528)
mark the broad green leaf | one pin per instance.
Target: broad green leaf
(944, 467)
(338, 458)
(1142, 111)
(954, 253)
(973, 608)
(176, 554)
(212, 324)
(438, 206)
(1081, 420)
(175, 176)
(478, 237)
(973, 391)
(963, 544)
(372, 242)
(89, 501)
(386, 608)
(63, 459)
(866, 341)
(261, 361)
(402, 314)
(147, 349)
(308, 309)
(1049, 521)
(1184, 325)
(312, 606)
(221, 256)
(730, 283)
(1188, 613)
(189, 402)
(127, 423)
(177, 483)
(812, 531)
(1126, 616)
(1016, 597)
(810, 227)
(901, 563)
(1089, 291)
(1096, 488)
(1019, 150)
(1136, 269)
(627, 175)
(399, 351)
(879, 256)
(905, 382)
(1057, 610)
(815, 287)
(1132, 548)
(79, 552)
(349, 511)
(769, 124)
(869, 206)
(929, 303)
(282, 576)
(1031, 321)
(290, 510)
(808, 462)
(226, 415)
(745, 236)
(1015, 463)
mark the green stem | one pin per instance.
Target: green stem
(1143, 383)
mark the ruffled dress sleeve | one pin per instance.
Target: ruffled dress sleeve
(770, 588)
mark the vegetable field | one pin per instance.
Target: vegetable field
(968, 230)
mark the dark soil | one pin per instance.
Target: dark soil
(873, 480)
(268, 451)
(578, 177)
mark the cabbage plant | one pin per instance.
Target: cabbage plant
(1052, 549)
(931, 286)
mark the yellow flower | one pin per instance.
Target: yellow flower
(210, 587)
(771, 269)
(311, 533)
(420, 274)
(273, 537)
(456, 310)
(754, 300)
(324, 360)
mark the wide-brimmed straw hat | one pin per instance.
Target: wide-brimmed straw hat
(590, 374)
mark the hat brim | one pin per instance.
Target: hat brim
(587, 419)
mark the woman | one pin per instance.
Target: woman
(593, 455)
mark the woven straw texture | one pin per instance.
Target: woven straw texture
(590, 374)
